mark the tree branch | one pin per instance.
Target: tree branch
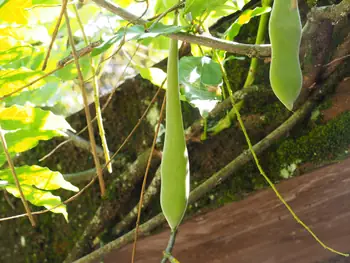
(126, 220)
(334, 13)
(216, 43)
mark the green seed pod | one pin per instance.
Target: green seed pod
(285, 36)
(175, 178)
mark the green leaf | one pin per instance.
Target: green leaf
(244, 18)
(136, 32)
(14, 11)
(154, 75)
(26, 126)
(13, 79)
(198, 7)
(40, 177)
(30, 118)
(36, 183)
(201, 77)
(46, 2)
(16, 57)
(43, 96)
(40, 198)
(3, 2)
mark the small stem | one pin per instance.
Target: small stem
(260, 39)
(13, 171)
(86, 108)
(55, 31)
(170, 245)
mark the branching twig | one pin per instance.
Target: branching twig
(18, 185)
(54, 34)
(86, 107)
(93, 120)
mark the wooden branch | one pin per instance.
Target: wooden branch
(216, 43)
(127, 220)
(79, 177)
(335, 13)
(84, 144)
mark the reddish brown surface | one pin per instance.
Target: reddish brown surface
(340, 101)
(259, 229)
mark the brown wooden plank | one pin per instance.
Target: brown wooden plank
(260, 229)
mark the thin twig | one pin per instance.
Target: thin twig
(145, 180)
(6, 196)
(54, 34)
(18, 185)
(29, 84)
(86, 108)
(96, 98)
(336, 60)
(54, 150)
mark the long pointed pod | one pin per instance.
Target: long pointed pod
(175, 180)
(285, 35)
